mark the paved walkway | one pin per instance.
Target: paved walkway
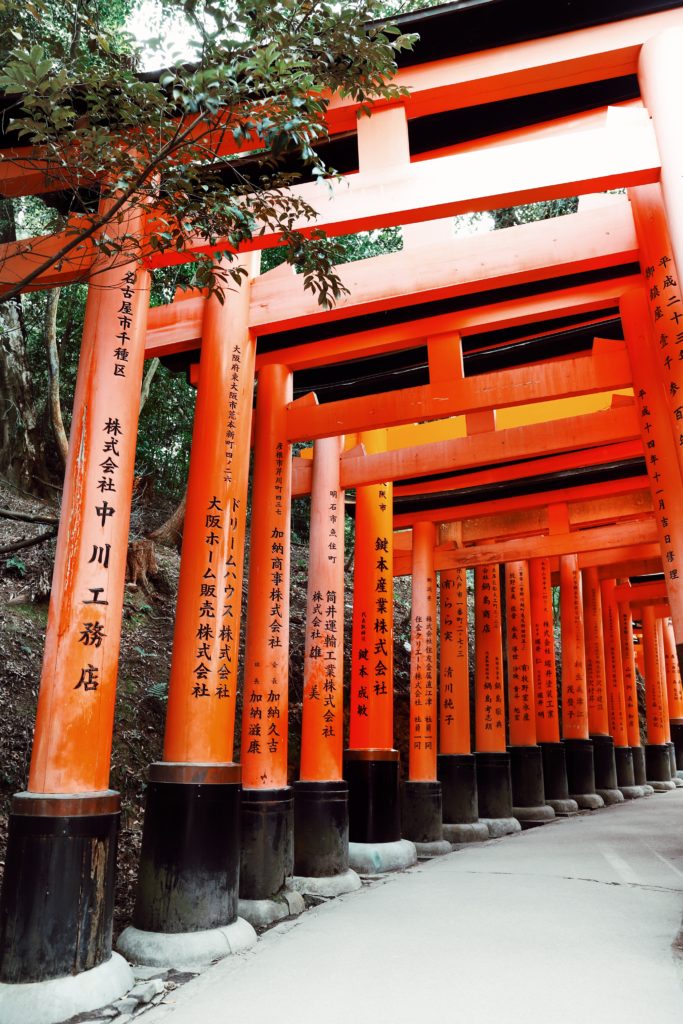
(570, 922)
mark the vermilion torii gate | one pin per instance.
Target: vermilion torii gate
(521, 387)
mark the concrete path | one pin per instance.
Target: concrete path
(572, 922)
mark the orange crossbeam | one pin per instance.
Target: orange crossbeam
(606, 369)
(642, 593)
(593, 539)
(618, 155)
(517, 443)
(578, 242)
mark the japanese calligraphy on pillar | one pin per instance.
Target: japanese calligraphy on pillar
(454, 696)
(596, 689)
(371, 708)
(673, 672)
(574, 698)
(490, 702)
(103, 509)
(519, 652)
(628, 667)
(543, 639)
(613, 666)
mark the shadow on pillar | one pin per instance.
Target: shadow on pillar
(555, 779)
(186, 911)
(677, 740)
(494, 790)
(375, 843)
(56, 909)
(321, 840)
(457, 774)
(605, 767)
(626, 776)
(581, 774)
(678, 783)
(528, 791)
(422, 819)
(658, 767)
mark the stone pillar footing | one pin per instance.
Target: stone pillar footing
(321, 829)
(466, 832)
(588, 801)
(421, 820)
(581, 771)
(610, 796)
(554, 773)
(57, 903)
(531, 817)
(185, 950)
(262, 913)
(189, 861)
(425, 851)
(658, 766)
(59, 999)
(328, 886)
(457, 774)
(564, 808)
(635, 792)
(501, 826)
(374, 804)
(494, 785)
(267, 857)
(378, 858)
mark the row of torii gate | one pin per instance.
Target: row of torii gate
(558, 465)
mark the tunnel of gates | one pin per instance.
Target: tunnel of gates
(507, 402)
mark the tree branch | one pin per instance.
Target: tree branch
(27, 542)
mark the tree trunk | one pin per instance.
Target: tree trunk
(53, 373)
(170, 533)
(147, 381)
(21, 442)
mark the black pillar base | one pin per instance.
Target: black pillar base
(639, 770)
(672, 758)
(374, 805)
(554, 771)
(457, 774)
(677, 740)
(421, 813)
(189, 863)
(623, 757)
(604, 762)
(267, 857)
(526, 773)
(321, 829)
(57, 903)
(580, 767)
(494, 786)
(657, 762)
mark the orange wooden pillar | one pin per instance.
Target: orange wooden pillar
(197, 785)
(267, 800)
(494, 785)
(456, 768)
(371, 765)
(596, 686)
(421, 808)
(674, 691)
(321, 814)
(61, 854)
(614, 677)
(526, 763)
(657, 758)
(664, 304)
(665, 696)
(575, 727)
(628, 664)
(545, 686)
